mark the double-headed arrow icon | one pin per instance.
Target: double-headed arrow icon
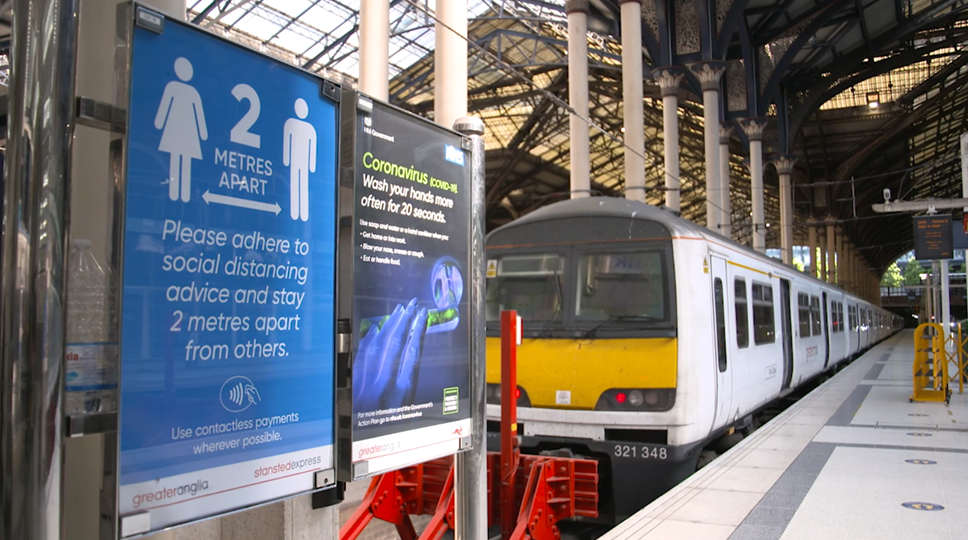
(210, 198)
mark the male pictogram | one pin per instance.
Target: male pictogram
(299, 154)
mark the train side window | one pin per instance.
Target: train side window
(803, 313)
(815, 319)
(852, 317)
(838, 312)
(742, 314)
(764, 327)
(720, 323)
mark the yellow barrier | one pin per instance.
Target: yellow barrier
(930, 364)
(961, 360)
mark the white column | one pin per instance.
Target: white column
(450, 62)
(846, 281)
(709, 73)
(725, 204)
(840, 257)
(784, 167)
(831, 251)
(754, 130)
(822, 258)
(632, 96)
(812, 267)
(964, 175)
(375, 48)
(578, 96)
(669, 79)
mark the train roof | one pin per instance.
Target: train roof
(624, 208)
(607, 207)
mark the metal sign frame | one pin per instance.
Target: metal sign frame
(350, 116)
(940, 223)
(129, 15)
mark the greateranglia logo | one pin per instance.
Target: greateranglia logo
(454, 155)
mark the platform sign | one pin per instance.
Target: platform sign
(227, 344)
(933, 237)
(411, 309)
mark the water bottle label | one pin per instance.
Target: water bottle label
(91, 366)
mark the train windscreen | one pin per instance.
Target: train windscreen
(624, 286)
(530, 284)
(584, 277)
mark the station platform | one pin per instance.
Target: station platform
(854, 459)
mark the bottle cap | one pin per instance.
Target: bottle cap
(80, 243)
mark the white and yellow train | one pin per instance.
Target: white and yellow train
(648, 338)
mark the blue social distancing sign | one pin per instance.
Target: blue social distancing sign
(228, 281)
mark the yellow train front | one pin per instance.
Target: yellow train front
(649, 340)
(597, 296)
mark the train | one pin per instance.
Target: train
(648, 339)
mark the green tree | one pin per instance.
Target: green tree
(912, 273)
(892, 276)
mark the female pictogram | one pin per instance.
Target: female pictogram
(181, 117)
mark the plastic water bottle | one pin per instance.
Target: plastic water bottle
(92, 348)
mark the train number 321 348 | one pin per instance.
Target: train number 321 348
(642, 452)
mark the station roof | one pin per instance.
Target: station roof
(828, 60)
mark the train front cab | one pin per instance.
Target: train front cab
(598, 362)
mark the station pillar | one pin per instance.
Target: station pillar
(754, 131)
(374, 48)
(669, 79)
(632, 96)
(578, 97)
(709, 73)
(725, 204)
(784, 167)
(811, 263)
(831, 251)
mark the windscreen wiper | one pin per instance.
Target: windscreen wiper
(615, 318)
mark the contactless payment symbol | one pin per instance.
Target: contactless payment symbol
(238, 393)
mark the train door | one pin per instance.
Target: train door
(826, 332)
(724, 371)
(787, 327)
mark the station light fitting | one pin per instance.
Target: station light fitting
(873, 99)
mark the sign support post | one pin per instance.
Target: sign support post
(37, 196)
(471, 466)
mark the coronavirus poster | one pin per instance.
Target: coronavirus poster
(411, 316)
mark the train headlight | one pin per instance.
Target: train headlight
(637, 399)
(493, 395)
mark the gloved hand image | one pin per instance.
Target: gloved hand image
(387, 363)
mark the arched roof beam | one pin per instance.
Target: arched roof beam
(855, 72)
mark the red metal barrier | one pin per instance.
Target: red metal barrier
(510, 453)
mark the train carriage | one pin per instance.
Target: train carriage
(649, 339)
